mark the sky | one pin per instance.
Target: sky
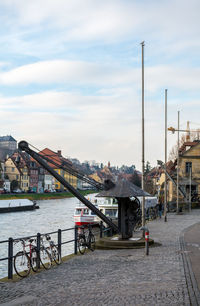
(70, 75)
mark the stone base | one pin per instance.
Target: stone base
(118, 243)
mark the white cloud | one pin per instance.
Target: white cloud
(105, 126)
(105, 76)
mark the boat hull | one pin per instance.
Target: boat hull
(18, 208)
(81, 220)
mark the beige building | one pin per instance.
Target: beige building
(12, 172)
(189, 172)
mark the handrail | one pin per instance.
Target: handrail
(59, 243)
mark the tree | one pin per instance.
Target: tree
(147, 168)
(135, 179)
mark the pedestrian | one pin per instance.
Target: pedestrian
(160, 209)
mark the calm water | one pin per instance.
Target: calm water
(52, 215)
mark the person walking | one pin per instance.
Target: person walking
(160, 209)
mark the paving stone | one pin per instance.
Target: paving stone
(114, 277)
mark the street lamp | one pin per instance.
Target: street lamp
(165, 199)
(143, 199)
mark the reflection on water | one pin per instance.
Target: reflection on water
(52, 215)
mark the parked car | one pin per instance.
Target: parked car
(18, 191)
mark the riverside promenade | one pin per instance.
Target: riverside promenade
(119, 277)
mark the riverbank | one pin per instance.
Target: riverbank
(115, 277)
(44, 196)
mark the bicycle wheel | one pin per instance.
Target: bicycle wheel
(81, 244)
(92, 243)
(22, 264)
(33, 260)
(55, 255)
(45, 258)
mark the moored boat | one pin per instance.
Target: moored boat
(84, 216)
(16, 205)
(109, 207)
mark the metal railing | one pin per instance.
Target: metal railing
(101, 232)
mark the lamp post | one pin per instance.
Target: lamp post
(143, 199)
(177, 202)
(165, 199)
(190, 197)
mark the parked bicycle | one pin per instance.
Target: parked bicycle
(50, 253)
(86, 239)
(25, 260)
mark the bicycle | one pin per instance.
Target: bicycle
(86, 241)
(45, 257)
(25, 261)
(50, 254)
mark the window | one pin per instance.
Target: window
(188, 166)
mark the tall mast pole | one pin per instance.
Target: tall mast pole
(177, 203)
(165, 200)
(143, 199)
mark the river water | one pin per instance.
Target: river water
(52, 215)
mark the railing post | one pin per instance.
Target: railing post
(38, 249)
(111, 232)
(101, 229)
(10, 258)
(59, 242)
(75, 238)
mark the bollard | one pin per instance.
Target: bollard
(146, 236)
(10, 258)
(147, 241)
(38, 249)
(75, 239)
(59, 243)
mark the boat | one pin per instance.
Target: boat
(84, 216)
(109, 207)
(15, 205)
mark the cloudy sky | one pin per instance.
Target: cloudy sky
(70, 75)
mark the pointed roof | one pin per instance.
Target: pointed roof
(7, 138)
(123, 189)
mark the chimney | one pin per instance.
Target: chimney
(188, 131)
(59, 153)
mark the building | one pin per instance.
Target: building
(7, 146)
(12, 172)
(8, 142)
(189, 173)
(59, 164)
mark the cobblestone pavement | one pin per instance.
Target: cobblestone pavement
(114, 277)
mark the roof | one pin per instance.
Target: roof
(186, 144)
(123, 189)
(7, 138)
(55, 157)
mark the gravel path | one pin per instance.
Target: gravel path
(114, 277)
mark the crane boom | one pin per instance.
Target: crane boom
(23, 146)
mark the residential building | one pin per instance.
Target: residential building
(34, 175)
(189, 172)
(12, 172)
(59, 163)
